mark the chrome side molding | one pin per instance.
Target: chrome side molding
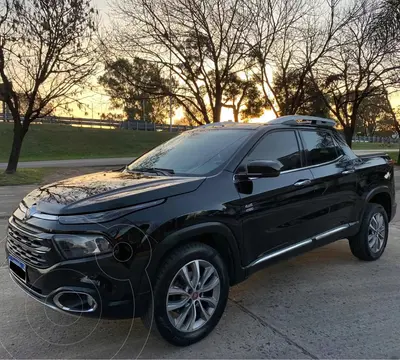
(334, 231)
(280, 252)
(301, 244)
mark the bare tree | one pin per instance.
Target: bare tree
(291, 37)
(275, 24)
(374, 113)
(394, 113)
(359, 65)
(389, 17)
(199, 42)
(296, 93)
(46, 56)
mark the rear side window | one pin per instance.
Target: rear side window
(319, 147)
(344, 148)
(281, 146)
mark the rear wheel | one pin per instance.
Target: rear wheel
(370, 243)
(190, 294)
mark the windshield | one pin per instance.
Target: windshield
(196, 152)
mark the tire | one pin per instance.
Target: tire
(367, 245)
(201, 312)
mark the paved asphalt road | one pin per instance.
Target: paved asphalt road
(325, 304)
(118, 161)
(10, 196)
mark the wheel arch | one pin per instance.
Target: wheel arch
(214, 234)
(382, 196)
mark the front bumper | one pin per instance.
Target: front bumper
(104, 286)
(112, 297)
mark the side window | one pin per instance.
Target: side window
(344, 148)
(320, 147)
(281, 146)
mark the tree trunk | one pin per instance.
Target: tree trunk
(218, 102)
(236, 114)
(217, 111)
(19, 134)
(348, 135)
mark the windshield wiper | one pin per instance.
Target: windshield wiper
(165, 172)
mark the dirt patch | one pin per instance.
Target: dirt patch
(65, 173)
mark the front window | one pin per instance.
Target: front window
(281, 146)
(196, 152)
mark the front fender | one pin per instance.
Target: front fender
(186, 235)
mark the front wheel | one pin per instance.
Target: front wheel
(190, 294)
(370, 243)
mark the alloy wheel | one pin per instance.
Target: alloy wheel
(376, 233)
(193, 296)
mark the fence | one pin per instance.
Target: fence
(376, 139)
(113, 124)
(148, 126)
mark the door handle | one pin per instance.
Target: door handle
(303, 182)
(350, 171)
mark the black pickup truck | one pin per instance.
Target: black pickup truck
(166, 236)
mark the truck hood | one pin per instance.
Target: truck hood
(107, 191)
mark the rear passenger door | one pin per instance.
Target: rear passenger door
(335, 180)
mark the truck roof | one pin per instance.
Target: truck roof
(289, 120)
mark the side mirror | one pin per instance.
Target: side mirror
(263, 169)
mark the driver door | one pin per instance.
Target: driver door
(278, 212)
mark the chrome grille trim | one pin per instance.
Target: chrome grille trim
(38, 215)
(31, 249)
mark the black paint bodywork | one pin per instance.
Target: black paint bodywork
(245, 220)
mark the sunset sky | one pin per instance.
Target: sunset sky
(97, 102)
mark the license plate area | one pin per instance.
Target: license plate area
(17, 267)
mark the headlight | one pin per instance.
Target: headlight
(78, 246)
(102, 217)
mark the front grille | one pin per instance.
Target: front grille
(33, 250)
(26, 227)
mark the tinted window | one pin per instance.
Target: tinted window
(281, 146)
(320, 147)
(196, 152)
(343, 147)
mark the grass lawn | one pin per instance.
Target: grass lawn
(24, 176)
(63, 142)
(373, 146)
(394, 156)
